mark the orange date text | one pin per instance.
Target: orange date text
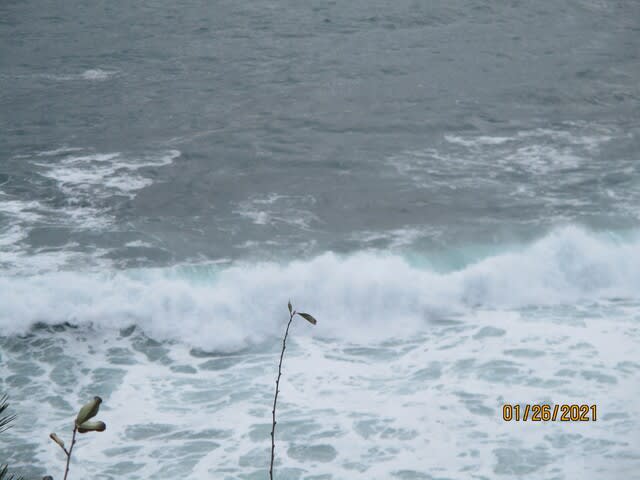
(549, 413)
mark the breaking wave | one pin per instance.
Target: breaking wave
(368, 294)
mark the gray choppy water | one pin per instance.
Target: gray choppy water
(452, 188)
(301, 127)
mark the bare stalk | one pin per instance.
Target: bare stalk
(309, 318)
(275, 397)
(70, 451)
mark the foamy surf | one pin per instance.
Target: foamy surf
(395, 408)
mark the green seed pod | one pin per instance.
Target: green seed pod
(88, 411)
(91, 427)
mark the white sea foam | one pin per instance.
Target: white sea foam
(541, 152)
(138, 244)
(57, 151)
(87, 178)
(11, 236)
(87, 181)
(276, 209)
(476, 141)
(577, 134)
(97, 74)
(558, 168)
(225, 308)
(91, 75)
(430, 403)
(103, 173)
(25, 211)
(396, 238)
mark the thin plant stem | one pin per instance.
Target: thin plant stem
(275, 398)
(70, 451)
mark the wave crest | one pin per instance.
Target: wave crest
(355, 297)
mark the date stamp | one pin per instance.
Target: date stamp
(549, 413)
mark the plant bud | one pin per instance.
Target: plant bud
(88, 411)
(309, 318)
(56, 439)
(91, 427)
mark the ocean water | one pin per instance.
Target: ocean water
(451, 188)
